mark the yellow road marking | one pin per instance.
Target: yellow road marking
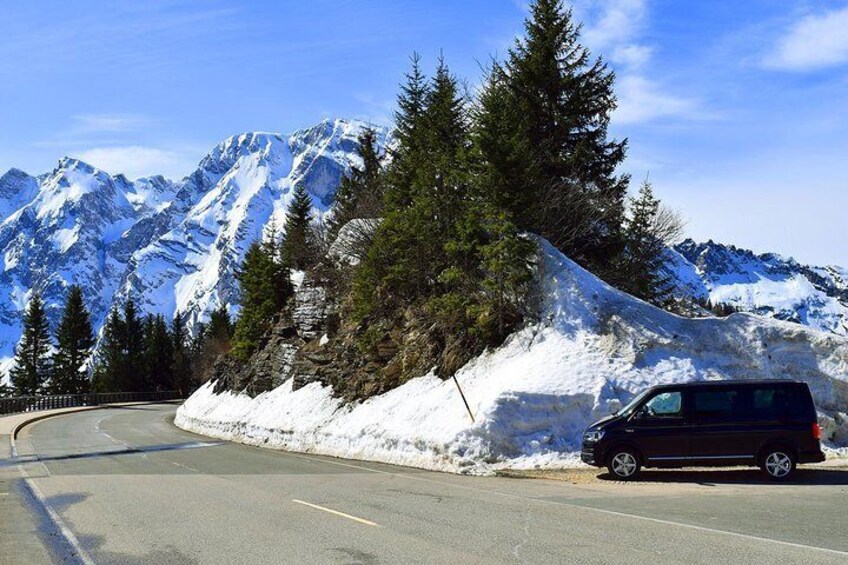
(337, 513)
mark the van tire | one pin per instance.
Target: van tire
(623, 463)
(777, 462)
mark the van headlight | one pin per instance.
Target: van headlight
(593, 436)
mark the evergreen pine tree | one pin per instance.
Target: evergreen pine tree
(110, 371)
(181, 367)
(220, 326)
(265, 287)
(31, 370)
(158, 354)
(409, 131)
(75, 340)
(360, 192)
(299, 247)
(644, 253)
(133, 370)
(558, 164)
(408, 255)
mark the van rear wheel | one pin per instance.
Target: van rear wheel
(623, 464)
(778, 464)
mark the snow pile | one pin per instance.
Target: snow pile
(531, 398)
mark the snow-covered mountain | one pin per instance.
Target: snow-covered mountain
(767, 284)
(172, 246)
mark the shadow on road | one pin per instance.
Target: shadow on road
(108, 453)
(815, 476)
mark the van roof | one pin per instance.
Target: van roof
(730, 382)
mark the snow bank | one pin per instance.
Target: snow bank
(594, 348)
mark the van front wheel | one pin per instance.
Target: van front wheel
(623, 464)
(778, 464)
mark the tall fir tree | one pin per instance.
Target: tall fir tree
(158, 354)
(645, 249)
(408, 254)
(558, 165)
(134, 367)
(360, 192)
(409, 150)
(299, 247)
(220, 327)
(31, 370)
(181, 367)
(110, 373)
(74, 343)
(265, 286)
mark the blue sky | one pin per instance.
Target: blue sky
(737, 110)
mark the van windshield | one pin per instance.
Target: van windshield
(634, 403)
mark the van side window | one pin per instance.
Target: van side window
(716, 404)
(664, 405)
(773, 402)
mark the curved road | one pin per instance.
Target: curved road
(129, 487)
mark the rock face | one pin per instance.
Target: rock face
(294, 347)
(310, 309)
(171, 246)
(768, 284)
(307, 344)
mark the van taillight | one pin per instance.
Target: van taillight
(816, 431)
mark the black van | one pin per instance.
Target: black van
(771, 424)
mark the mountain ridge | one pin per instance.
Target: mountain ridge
(767, 284)
(170, 245)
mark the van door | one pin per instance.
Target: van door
(659, 429)
(721, 428)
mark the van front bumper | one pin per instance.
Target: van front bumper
(590, 454)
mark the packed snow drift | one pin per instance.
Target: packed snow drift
(593, 348)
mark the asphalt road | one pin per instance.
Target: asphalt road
(129, 487)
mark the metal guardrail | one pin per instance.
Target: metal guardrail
(35, 403)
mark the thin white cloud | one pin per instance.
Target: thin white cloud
(617, 21)
(814, 42)
(136, 161)
(632, 56)
(614, 28)
(642, 100)
(109, 123)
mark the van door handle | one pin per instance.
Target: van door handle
(628, 430)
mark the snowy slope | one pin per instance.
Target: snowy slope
(172, 246)
(768, 284)
(532, 397)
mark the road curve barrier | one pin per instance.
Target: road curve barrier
(21, 404)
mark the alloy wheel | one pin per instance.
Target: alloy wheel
(624, 464)
(778, 464)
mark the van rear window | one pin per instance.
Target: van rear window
(775, 402)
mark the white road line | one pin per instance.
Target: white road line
(66, 532)
(581, 507)
(337, 513)
(184, 466)
(69, 536)
(4, 494)
(708, 530)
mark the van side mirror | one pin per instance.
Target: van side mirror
(614, 406)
